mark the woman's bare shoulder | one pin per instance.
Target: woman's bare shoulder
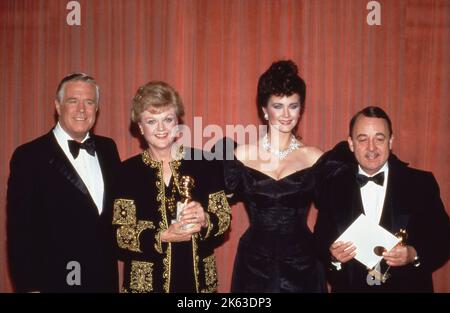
(310, 154)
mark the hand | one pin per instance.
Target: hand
(193, 213)
(400, 255)
(176, 232)
(343, 251)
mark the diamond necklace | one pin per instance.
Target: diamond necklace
(293, 145)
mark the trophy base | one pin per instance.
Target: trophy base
(377, 276)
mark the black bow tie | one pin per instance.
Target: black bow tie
(363, 179)
(88, 145)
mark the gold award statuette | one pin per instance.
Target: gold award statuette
(186, 185)
(378, 250)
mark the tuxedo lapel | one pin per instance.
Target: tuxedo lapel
(357, 205)
(58, 160)
(105, 166)
(350, 198)
(394, 217)
(387, 213)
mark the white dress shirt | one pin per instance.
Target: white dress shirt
(86, 165)
(373, 195)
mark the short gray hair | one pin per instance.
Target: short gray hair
(75, 77)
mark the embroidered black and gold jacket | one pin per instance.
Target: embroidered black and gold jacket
(141, 214)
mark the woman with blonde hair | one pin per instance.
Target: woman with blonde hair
(166, 242)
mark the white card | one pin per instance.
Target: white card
(366, 235)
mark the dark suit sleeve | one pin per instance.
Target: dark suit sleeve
(111, 178)
(135, 239)
(115, 158)
(430, 228)
(120, 205)
(325, 229)
(324, 233)
(223, 152)
(329, 165)
(23, 237)
(135, 218)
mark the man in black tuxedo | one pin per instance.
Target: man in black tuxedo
(392, 195)
(58, 222)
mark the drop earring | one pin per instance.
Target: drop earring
(266, 116)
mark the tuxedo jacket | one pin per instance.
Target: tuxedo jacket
(52, 221)
(412, 202)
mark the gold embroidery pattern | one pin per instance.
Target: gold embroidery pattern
(129, 231)
(158, 244)
(167, 267)
(218, 205)
(160, 197)
(163, 224)
(195, 261)
(141, 279)
(174, 166)
(209, 264)
(128, 235)
(209, 289)
(147, 159)
(124, 212)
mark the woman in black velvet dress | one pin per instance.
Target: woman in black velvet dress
(275, 180)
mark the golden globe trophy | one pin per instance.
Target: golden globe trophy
(378, 250)
(402, 235)
(186, 185)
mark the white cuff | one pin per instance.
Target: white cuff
(337, 265)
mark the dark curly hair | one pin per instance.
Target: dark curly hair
(281, 79)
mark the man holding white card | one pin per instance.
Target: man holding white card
(391, 197)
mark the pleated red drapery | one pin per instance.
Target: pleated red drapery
(213, 52)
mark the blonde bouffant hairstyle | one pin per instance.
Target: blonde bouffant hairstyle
(157, 96)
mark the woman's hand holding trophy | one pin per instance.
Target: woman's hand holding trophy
(190, 215)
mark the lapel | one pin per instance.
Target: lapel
(387, 213)
(105, 166)
(393, 218)
(349, 199)
(59, 161)
(357, 208)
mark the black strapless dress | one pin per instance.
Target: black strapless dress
(276, 253)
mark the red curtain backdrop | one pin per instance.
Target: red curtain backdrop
(213, 52)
